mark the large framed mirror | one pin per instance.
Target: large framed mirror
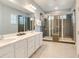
(23, 23)
(16, 24)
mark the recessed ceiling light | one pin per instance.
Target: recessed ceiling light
(30, 7)
(56, 8)
(11, 0)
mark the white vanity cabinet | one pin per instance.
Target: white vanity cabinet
(20, 49)
(26, 48)
(41, 39)
(7, 51)
(31, 46)
(34, 43)
(38, 41)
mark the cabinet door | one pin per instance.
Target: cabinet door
(37, 42)
(7, 51)
(5, 56)
(19, 49)
(41, 38)
(26, 48)
(8, 55)
(31, 47)
(19, 53)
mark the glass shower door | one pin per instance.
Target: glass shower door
(47, 26)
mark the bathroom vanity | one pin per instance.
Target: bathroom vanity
(20, 46)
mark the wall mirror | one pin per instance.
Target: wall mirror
(17, 24)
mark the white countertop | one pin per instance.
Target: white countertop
(12, 39)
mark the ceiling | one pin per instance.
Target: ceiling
(51, 5)
(21, 5)
(43, 5)
(15, 4)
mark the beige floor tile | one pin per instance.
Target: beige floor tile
(56, 50)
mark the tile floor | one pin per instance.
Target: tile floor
(67, 40)
(56, 50)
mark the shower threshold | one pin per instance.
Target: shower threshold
(66, 40)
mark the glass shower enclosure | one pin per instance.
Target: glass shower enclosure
(58, 27)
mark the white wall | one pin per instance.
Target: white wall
(37, 21)
(77, 26)
(0, 19)
(5, 19)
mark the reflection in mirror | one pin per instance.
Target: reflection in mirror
(32, 23)
(9, 18)
(13, 21)
(27, 23)
(8, 24)
(23, 24)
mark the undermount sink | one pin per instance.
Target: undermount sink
(20, 34)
